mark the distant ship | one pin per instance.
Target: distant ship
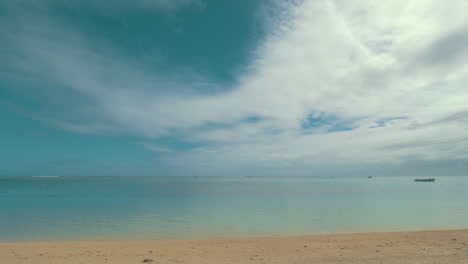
(424, 180)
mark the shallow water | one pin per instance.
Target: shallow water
(198, 207)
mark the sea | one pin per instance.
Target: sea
(165, 208)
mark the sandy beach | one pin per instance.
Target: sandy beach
(392, 247)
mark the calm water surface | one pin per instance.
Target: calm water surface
(187, 207)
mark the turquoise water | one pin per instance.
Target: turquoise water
(131, 208)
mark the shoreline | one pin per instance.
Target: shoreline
(133, 239)
(433, 246)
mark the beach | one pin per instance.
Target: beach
(439, 246)
(232, 220)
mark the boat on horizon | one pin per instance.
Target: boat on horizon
(424, 180)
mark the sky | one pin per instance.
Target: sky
(233, 88)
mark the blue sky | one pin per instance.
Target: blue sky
(232, 88)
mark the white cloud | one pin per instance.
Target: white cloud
(154, 147)
(359, 61)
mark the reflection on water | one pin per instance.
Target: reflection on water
(189, 207)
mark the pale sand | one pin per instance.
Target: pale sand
(397, 247)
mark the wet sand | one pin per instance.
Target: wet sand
(394, 247)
